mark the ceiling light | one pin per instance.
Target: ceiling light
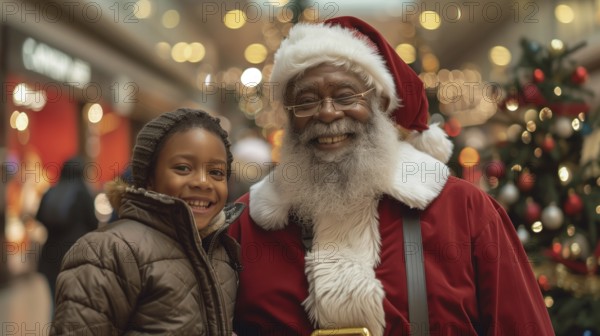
(255, 53)
(234, 19)
(170, 19)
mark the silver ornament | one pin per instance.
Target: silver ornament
(552, 217)
(509, 194)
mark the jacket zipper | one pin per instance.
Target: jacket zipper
(222, 313)
(210, 253)
(212, 244)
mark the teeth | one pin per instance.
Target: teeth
(195, 203)
(330, 140)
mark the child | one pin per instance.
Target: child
(167, 266)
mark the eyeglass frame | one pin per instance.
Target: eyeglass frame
(319, 103)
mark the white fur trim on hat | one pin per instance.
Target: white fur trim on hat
(309, 45)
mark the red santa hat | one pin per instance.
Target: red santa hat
(350, 41)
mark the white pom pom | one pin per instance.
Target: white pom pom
(433, 141)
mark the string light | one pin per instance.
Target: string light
(94, 113)
(512, 105)
(558, 91)
(407, 52)
(500, 55)
(468, 157)
(576, 124)
(22, 121)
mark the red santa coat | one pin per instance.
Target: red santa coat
(478, 277)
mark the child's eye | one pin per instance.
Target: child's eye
(182, 168)
(217, 172)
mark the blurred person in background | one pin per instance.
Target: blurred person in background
(67, 212)
(252, 162)
(24, 190)
(125, 178)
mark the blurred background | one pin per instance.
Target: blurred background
(514, 83)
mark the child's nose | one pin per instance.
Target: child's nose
(201, 180)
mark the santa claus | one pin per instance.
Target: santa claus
(327, 240)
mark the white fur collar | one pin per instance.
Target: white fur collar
(417, 180)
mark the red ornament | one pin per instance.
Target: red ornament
(495, 169)
(573, 205)
(533, 95)
(580, 75)
(526, 181)
(548, 143)
(556, 247)
(544, 283)
(452, 127)
(532, 211)
(538, 75)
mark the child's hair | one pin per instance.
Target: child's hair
(151, 139)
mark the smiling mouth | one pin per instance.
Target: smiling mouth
(199, 205)
(329, 140)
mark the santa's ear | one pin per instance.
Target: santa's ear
(384, 103)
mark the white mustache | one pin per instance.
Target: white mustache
(319, 129)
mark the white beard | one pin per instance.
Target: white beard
(328, 183)
(338, 194)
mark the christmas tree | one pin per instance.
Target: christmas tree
(550, 187)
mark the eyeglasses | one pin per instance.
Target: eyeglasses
(339, 104)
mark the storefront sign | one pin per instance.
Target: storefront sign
(45, 60)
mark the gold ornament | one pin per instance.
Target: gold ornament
(545, 114)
